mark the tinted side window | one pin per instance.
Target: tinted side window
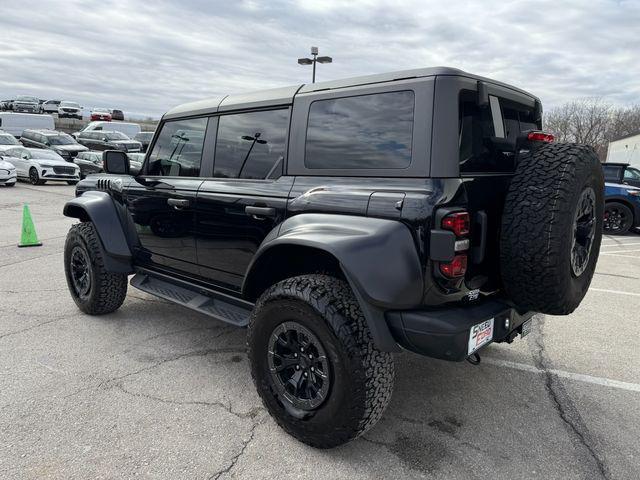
(611, 174)
(251, 145)
(366, 131)
(178, 150)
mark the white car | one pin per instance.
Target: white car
(8, 139)
(8, 174)
(39, 165)
(69, 110)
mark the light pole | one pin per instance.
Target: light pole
(313, 61)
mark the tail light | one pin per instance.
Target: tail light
(457, 223)
(538, 136)
(456, 267)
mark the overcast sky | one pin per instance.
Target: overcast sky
(147, 56)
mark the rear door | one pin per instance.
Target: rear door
(487, 171)
(246, 196)
(162, 198)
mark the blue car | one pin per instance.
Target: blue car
(621, 197)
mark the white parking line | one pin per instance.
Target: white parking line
(619, 292)
(578, 377)
(621, 251)
(620, 244)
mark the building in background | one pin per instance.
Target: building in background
(625, 150)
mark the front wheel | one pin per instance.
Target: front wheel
(618, 218)
(94, 290)
(314, 362)
(34, 178)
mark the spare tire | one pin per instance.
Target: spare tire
(552, 228)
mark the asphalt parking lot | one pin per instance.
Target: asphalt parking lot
(158, 391)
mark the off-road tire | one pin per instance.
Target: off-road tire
(538, 227)
(626, 214)
(361, 375)
(72, 182)
(108, 290)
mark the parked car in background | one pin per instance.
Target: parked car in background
(39, 166)
(116, 114)
(50, 106)
(621, 173)
(135, 162)
(6, 105)
(145, 139)
(68, 109)
(108, 140)
(16, 123)
(26, 104)
(61, 143)
(129, 129)
(622, 198)
(8, 174)
(100, 114)
(89, 162)
(8, 139)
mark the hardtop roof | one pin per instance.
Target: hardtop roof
(285, 95)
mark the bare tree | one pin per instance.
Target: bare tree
(584, 121)
(593, 122)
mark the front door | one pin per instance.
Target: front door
(247, 197)
(162, 198)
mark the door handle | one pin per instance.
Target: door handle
(260, 212)
(179, 203)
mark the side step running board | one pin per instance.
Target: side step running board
(220, 307)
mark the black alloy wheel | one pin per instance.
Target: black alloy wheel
(584, 228)
(34, 178)
(617, 218)
(299, 366)
(80, 272)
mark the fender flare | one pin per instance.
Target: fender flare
(99, 208)
(378, 257)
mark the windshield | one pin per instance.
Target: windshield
(116, 136)
(25, 98)
(44, 154)
(63, 139)
(8, 140)
(69, 104)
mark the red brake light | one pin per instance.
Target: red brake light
(540, 137)
(458, 223)
(455, 268)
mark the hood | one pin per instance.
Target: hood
(621, 185)
(70, 148)
(67, 107)
(55, 163)
(6, 165)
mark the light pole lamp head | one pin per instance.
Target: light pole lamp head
(324, 59)
(305, 61)
(314, 50)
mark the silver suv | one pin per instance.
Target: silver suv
(69, 110)
(27, 104)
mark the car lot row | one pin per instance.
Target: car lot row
(62, 108)
(41, 155)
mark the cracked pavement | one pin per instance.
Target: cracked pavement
(158, 391)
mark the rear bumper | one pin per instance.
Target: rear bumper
(444, 333)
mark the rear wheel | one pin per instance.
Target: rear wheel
(94, 290)
(617, 218)
(34, 178)
(314, 362)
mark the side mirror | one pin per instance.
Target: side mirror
(47, 144)
(115, 161)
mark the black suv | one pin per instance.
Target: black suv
(61, 143)
(343, 221)
(105, 140)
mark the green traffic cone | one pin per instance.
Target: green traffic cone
(29, 238)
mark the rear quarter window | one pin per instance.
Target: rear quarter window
(372, 131)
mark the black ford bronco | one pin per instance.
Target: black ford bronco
(342, 221)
